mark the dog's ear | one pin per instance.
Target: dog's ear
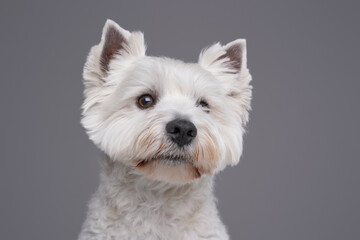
(229, 65)
(116, 44)
(228, 59)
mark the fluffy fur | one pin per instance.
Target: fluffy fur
(151, 188)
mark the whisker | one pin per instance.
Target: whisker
(153, 139)
(148, 135)
(161, 146)
(197, 154)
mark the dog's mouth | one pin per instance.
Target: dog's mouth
(169, 168)
(171, 160)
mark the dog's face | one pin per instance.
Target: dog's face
(170, 120)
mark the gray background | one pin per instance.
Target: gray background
(299, 175)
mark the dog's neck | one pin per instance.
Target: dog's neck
(130, 204)
(123, 184)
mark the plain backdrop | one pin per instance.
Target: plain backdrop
(299, 175)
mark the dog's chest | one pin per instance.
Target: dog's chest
(161, 220)
(130, 211)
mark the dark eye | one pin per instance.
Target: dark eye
(204, 105)
(145, 101)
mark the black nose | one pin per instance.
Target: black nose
(181, 131)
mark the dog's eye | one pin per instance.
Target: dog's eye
(204, 105)
(145, 101)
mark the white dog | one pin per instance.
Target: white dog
(165, 127)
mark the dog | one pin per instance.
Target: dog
(166, 128)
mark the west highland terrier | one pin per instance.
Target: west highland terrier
(166, 128)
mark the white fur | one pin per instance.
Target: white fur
(163, 200)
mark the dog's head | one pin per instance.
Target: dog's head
(170, 120)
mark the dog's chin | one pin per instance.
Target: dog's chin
(169, 169)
